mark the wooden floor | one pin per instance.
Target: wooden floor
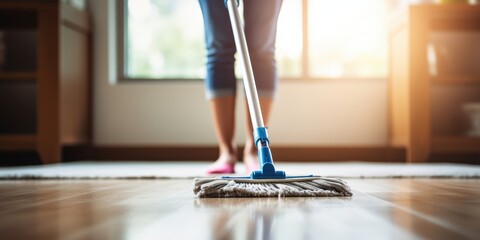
(167, 209)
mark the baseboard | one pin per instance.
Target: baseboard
(469, 158)
(209, 153)
(339, 154)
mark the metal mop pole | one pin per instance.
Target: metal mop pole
(248, 78)
(260, 131)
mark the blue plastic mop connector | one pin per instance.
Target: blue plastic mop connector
(267, 170)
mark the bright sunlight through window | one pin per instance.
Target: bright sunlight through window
(346, 39)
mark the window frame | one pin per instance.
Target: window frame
(122, 25)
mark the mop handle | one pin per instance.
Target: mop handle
(248, 78)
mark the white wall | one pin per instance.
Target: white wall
(176, 113)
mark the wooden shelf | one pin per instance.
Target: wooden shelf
(414, 94)
(53, 60)
(17, 142)
(22, 76)
(454, 144)
(457, 79)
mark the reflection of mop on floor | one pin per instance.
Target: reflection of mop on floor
(256, 218)
(266, 182)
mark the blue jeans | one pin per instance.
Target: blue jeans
(260, 25)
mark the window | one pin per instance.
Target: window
(164, 39)
(348, 38)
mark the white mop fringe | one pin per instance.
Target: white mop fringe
(307, 187)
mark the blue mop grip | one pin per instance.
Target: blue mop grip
(267, 170)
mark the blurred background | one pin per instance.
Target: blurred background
(348, 74)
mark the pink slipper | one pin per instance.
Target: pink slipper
(251, 166)
(216, 168)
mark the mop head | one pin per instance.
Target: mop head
(291, 187)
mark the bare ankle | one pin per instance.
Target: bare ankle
(227, 154)
(228, 150)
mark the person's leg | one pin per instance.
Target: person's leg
(260, 32)
(223, 113)
(220, 82)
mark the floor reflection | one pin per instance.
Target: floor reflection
(253, 218)
(241, 218)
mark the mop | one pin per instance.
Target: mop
(267, 181)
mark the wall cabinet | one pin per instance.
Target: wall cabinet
(427, 87)
(44, 77)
